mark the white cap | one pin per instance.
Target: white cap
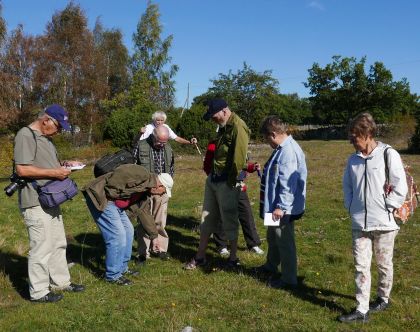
(167, 182)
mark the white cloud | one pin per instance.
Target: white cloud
(316, 5)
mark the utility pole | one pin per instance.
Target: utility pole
(187, 101)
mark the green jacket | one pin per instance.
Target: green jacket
(121, 184)
(231, 149)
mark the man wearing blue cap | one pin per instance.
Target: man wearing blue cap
(221, 196)
(35, 158)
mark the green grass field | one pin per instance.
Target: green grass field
(167, 298)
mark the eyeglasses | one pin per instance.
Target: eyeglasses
(55, 122)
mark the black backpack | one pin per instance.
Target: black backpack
(110, 162)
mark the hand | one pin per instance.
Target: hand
(160, 190)
(61, 173)
(193, 140)
(155, 245)
(142, 130)
(278, 214)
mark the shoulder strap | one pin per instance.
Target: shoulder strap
(386, 164)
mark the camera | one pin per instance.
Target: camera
(17, 182)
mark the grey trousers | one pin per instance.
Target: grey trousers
(47, 263)
(282, 250)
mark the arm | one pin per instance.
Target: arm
(287, 183)
(240, 141)
(33, 172)
(347, 186)
(397, 180)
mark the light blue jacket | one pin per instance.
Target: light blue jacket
(283, 184)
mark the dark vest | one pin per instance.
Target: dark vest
(144, 156)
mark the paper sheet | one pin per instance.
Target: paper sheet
(268, 220)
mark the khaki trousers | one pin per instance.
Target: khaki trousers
(47, 263)
(159, 209)
(383, 247)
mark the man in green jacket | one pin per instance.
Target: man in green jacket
(221, 196)
(108, 197)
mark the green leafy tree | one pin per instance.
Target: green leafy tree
(253, 96)
(342, 89)
(114, 54)
(151, 65)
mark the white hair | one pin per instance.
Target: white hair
(159, 114)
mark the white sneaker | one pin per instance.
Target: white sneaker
(224, 252)
(257, 250)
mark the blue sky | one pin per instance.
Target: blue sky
(286, 36)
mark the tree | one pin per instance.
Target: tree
(110, 45)
(342, 89)
(253, 96)
(151, 69)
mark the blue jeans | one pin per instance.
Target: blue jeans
(118, 233)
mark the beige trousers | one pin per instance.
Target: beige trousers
(47, 263)
(159, 209)
(383, 247)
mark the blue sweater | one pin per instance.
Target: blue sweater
(283, 184)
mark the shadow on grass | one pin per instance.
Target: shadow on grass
(16, 268)
(88, 251)
(318, 296)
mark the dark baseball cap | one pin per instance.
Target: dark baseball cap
(215, 105)
(59, 113)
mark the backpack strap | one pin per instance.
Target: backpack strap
(386, 164)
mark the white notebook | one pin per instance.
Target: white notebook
(268, 220)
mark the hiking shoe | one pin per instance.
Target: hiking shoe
(164, 256)
(262, 269)
(49, 298)
(75, 288)
(232, 264)
(130, 272)
(257, 250)
(224, 252)
(355, 316)
(121, 281)
(194, 263)
(378, 305)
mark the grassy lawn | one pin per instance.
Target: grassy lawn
(167, 298)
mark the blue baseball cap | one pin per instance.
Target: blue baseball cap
(57, 112)
(215, 105)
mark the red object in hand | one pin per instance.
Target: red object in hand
(250, 168)
(208, 158)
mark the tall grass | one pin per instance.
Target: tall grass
(166, 298)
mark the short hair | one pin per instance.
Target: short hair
(41, 114)
(362, 125)
(271, 124)
(159, 114)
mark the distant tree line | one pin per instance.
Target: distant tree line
(111, 94)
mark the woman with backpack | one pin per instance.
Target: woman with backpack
(373, 189)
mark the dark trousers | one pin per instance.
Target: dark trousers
(247, 221)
